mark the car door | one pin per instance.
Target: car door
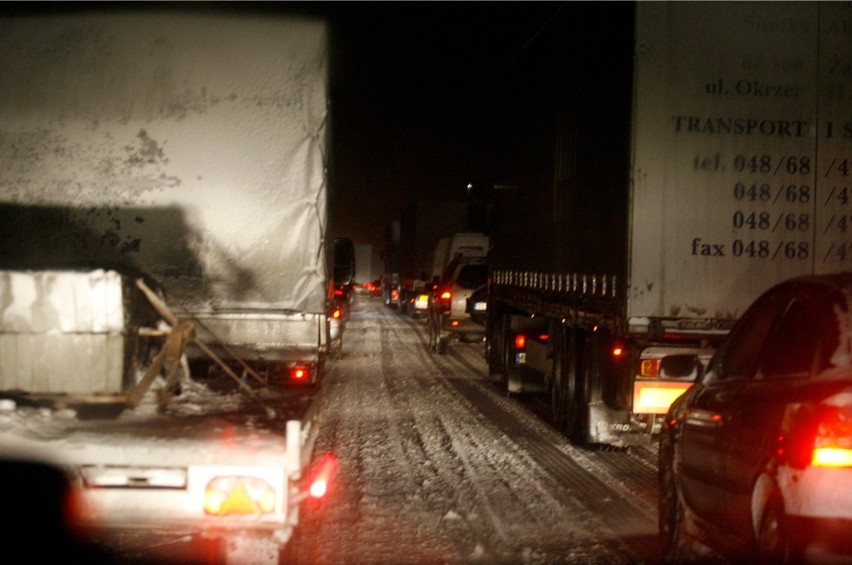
(706, 433)
(798, 347)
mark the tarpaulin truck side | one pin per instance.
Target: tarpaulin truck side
(189, 146)
(700, 158)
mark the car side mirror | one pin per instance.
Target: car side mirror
(684, 366)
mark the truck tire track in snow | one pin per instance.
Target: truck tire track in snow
(437, 467)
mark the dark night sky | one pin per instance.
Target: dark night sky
(413, 101)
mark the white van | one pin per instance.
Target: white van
(465, 244)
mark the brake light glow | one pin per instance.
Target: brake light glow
(833, 442)
(832, 457)
(446, 295)
(454, 323)
(617, 351)
(225, 496)
(322, 475)
(520, 342)
(336, 313)
(299, 374)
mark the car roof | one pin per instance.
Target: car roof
(832, 281)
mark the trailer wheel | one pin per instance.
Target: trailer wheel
(589, 371)
(504, 362)
(494, 351)
(558, 387)
(564, 392)
(443, 344)
(337, 349)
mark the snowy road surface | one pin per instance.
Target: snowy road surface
(437, 465)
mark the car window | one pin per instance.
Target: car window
(790, 349)
(472, 276)
(737, 358)
(805, 338)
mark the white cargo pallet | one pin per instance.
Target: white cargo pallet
(64, 332)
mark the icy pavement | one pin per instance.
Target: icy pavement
(430, 475)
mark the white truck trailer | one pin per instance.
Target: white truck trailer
(186, 149)
(702, 156)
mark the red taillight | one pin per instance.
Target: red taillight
(819, 438)
(617, 351)
(299, 374)
(446, 295)
(336, 313)
(520, 342)
(833, 441)
(338, 292)
(322, 475)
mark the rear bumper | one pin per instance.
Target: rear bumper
(822, 540)
(818, 504)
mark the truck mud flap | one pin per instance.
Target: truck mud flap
(616, 428)
(522, 379)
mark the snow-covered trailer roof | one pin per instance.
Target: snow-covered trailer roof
(190, 146)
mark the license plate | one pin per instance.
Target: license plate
(480, 306)
(422, 302)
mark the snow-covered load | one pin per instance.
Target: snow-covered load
(699, 158)
(163, 191)
(190, 148)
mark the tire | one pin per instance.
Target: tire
(573, 409)
(674, 545)
(772, 542)
(495, 373)
(443, 344)
(587, 370)
(433, 340)
(337, 350)
(558, 390)
(493, 343)
(502, 352)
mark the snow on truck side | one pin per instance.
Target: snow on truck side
(164, 193)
